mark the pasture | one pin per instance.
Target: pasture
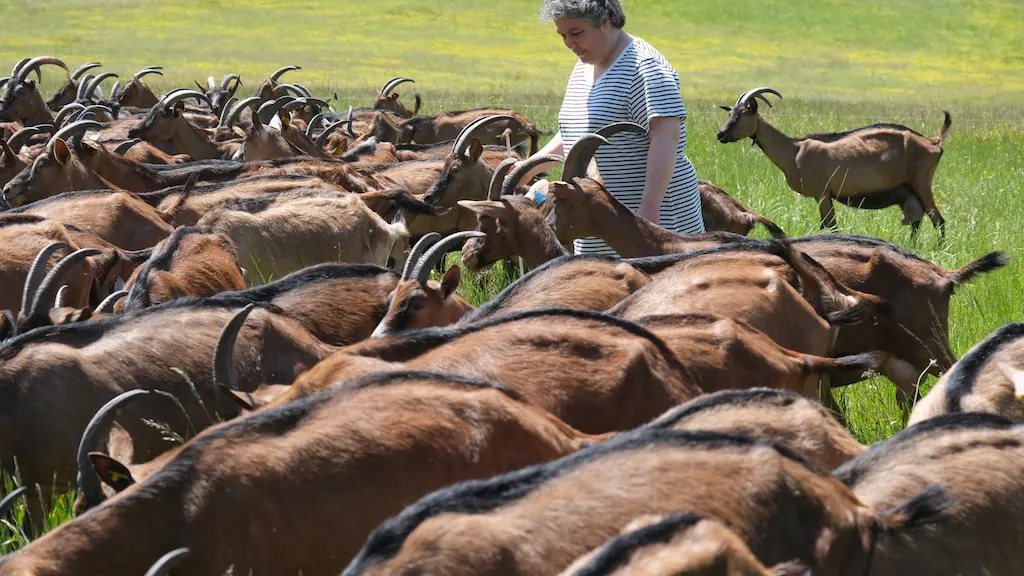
(839, 64)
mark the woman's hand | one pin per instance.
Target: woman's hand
(661, 163)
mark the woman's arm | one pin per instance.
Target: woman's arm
(661, 163)
(554, 146)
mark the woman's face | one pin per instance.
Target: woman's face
(590, 43)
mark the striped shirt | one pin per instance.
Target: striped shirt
(639, 85)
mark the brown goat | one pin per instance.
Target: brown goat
(673, 545)
(67, 92)
(539, 520)
(387, 99)
(722, 212)
(135, 93)
(986, 379)
(871, 167)
(977, 459)
(166, 122)
(188, 263)
(357, 443)
(447, 125)
(21, 100)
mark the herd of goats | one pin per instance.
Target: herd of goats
(219, 324)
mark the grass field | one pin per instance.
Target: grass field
(839, 64)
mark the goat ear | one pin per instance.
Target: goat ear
(80, 315)
(726, 108)
(341, 147)
(394, 96)
(200, 86)
(111, 472)
(450, 282)
(61, 152)
(484, 207)
(475, 150)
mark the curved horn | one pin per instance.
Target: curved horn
(224, 353)
(226, 110)
(313, 124)
(210, 83)
(98, 428)
(83, 69)
(66, 112)
(394, 83)
(322, 138)
(233, 116)
(35, 63)
(18, 139)
(47, 291)
(170, 560)
(227, 80)
(4, 81)
(617, 127)
(425, 242)
(92, 110)
(36, 272)
(270, 108)
(58, 301)
(463, 140)
(8, 501)
(146, 72)
(281, 71)
(176, 96)
(18, 65)
(72, 129)
(115, 91)
(349, 120)
(125, 146)
(96, 82)
(421, 273)
(107, 306)
(83, 86)
(757, 93)
(6, 151)
(304, 102)
(502, 170)
(305, 91)
(578, 158)
(294, 89)
(508, 187)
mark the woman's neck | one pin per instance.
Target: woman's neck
(621, 41)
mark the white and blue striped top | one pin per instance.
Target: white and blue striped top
(639, 85)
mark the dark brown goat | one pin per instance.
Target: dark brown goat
(387, 99)
(135, 93)
(21, 100)
(978, 460)
(722, 212)
(166, 122)
(67, 92)
(355, 441)
(520, 523)
(871, 167)
(188, 263)
(447, 125)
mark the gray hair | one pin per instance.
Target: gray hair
(592, 10)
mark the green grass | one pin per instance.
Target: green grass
(839, 64)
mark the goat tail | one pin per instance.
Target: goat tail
(986, 263)
(859, 364)
(944, 132)
(774, 229)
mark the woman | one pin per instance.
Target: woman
(622, 78)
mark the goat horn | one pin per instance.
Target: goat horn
(227, 80)
(617, 127)
(176, 96)
(508, 186)
(463, 140)
(316, 121)
(7, 152)
(348, 118)
(163, 566)
(494, 190)
(394, 83)
(83, 85)
(4, 81)
(58, 301)
(122, 148)
(8, 501)
(250, 101)
(73, 129)
(210, 83)
(421, 273)
(425, 242)
(281, 71)
(99, 427)
(226, 110)
(36, 272)
(92, 110)
(322, 138)
(147, 71)
(115, 90)
(35, 63)
(18, 65)
(107, 305)
(83, 69)
(18, 139)
(305, 91)
(270, 108)
(48, 288)
(757, 92)
(293, 89)
(66, 112)
(304, 102)
(579, 156)
(224, 353)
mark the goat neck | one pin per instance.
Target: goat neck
(778, 147)
(537, 242)
(187, 140)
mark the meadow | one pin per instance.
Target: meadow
(838, 63)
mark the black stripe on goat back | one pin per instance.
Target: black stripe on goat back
(381, 379)
(58, 198)
(218, 186)
(747, 397)
(833, 136)
(138, 295)
(617, 551)
(326, 272)
(499, 299)
(8, 219)
(261, 203)
(856, 240)
(223, 167)
(960, 379)
(854, 470)
(482, 496)
(732, 243)
(292, 160)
